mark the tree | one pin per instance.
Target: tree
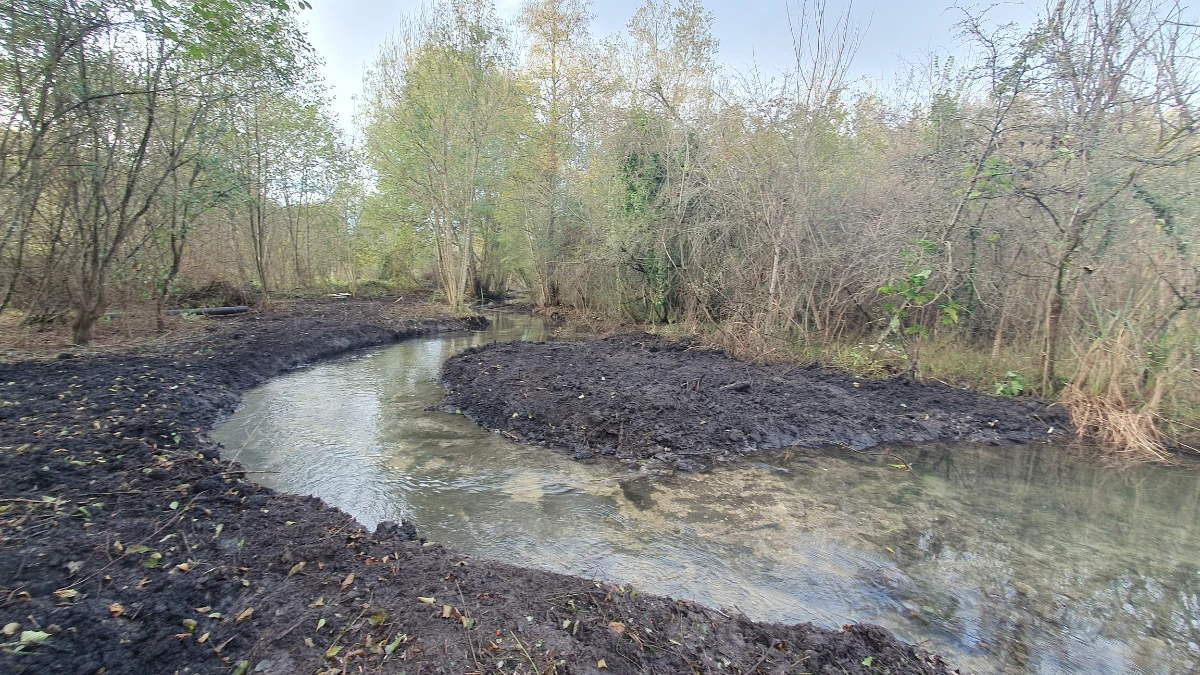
(563, 83)
(441, 94)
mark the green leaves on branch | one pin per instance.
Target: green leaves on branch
(912, 292)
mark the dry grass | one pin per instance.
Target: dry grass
(1117, 394)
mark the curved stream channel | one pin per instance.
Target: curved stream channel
(1005, 560)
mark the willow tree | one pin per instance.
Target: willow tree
(563, 83)
(441, 96)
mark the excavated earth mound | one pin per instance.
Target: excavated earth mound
(640, 396)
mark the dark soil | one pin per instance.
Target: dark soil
(128, 546)
(640, 396)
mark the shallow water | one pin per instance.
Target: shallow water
(1005, 560)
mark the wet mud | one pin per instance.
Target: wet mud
(128, 546)
(642, 397)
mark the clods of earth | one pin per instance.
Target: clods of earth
(642, 397)
(127, 545)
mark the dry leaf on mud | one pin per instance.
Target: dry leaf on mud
(203, 638)
(296, 568)
(116, 609)
(12, 628)
(332, 651)
(601, 664)
(347, 581)
(378, 617)
(66, 593)
(428, 601)
(616, 627)
(446, 611)
(245, 614)
(33, 637)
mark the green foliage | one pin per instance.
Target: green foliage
(1012, 384)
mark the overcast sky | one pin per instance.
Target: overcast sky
(347, 33)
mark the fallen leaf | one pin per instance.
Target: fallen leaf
(184, 567)
(201, 610)
(332, 651)
(393, 644)
(320, 602)
(245, 614)
(308, 642)
(616, 627)
(601, 664)
(182, 636)
(320, 624)
(33, 637)
(138, 548)
(143, 583)
(116, 609)
(428, 601)
(347, 581)
(189, 624)
(378, 617)
(296, 568)
(203, 638)
(467, 622)
(66, 593)
(241, 668)
(446, 611)
(12, 628)
(153, 560)
(74, 566)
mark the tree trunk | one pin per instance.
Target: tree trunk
(93, 302)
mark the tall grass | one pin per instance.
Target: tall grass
(1135, 387)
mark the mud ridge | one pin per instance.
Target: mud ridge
(641, 396)
(128, 546)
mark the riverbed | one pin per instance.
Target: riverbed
(1016, 559)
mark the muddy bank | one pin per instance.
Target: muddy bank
(639, 396)
(127, 546)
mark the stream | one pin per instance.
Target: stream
(1013, 559)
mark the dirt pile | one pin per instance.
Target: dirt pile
(640, 396)
(127, 546)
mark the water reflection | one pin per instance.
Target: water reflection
(1012, 560)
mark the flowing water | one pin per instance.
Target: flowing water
(1005, 560)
